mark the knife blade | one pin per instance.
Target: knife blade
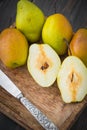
(11, 88)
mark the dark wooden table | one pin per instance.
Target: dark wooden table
(74, 10)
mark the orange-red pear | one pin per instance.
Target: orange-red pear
(78, 45)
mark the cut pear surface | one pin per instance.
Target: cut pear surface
(72, 80)
(43, 64)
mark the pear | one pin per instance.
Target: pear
(78, 45)
(72, 80)
(13, 48)
(57, 32)
(43, 64)
(29, 20)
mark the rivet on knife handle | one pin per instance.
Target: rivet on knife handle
(39, 116)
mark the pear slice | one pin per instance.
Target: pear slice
(43, 64)
(72, 79)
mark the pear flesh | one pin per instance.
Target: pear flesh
(29, 20)
(43, 64)
(72, 80)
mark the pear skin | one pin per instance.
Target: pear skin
(78, 45)
(57, 32)
(29, 20)
(13, 48)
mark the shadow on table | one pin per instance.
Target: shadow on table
(8, 124)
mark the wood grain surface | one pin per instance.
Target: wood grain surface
(48, 100)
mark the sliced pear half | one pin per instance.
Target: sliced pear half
(72, 80)
(43, 64)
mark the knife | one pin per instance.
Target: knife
(10, 87)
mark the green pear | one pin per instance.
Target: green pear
(43, 64)
(72, 79)
(29, 20)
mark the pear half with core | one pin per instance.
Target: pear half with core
(43, 64)
(29, 20)
(72, 79)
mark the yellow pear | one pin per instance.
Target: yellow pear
(57, 32)
(13, 48)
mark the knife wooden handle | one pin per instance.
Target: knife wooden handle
(39, 116)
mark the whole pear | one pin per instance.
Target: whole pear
(78, 45)
(29, 20)
(57, 32)
(13, 48)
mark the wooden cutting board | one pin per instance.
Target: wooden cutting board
(48, 100)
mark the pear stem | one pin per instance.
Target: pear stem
(86, 27)
(67, 46)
